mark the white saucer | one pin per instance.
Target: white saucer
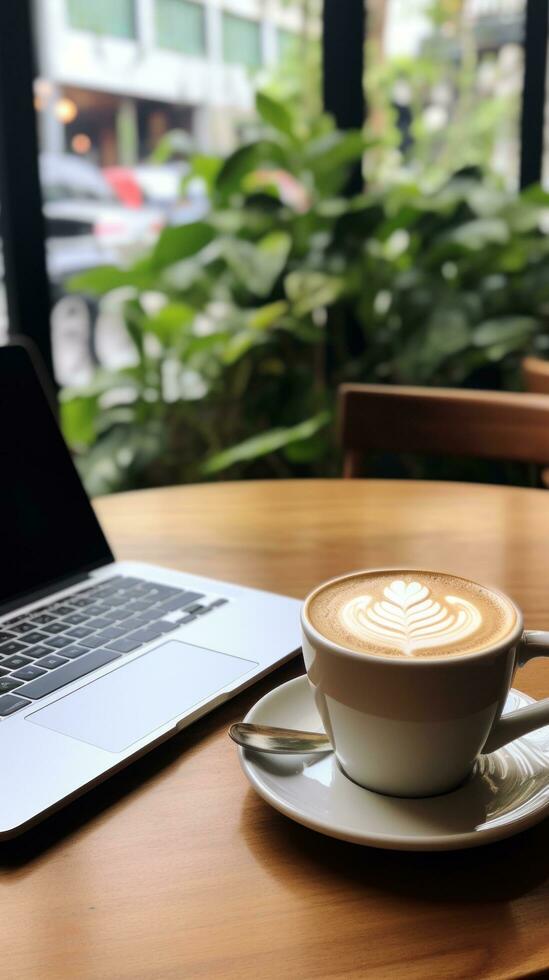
(508, 791)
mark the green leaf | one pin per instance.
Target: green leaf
(177, 243)
(309, 291)
(258, 266)
(267, 316)
(205, 167)
(247, 158)
(101, 280)
(78, 418)
(475, 235)
(335, 150)
(275, 114)
(134, 319)
(170, 322)
(204, 345)
(535, 195)
(239, 345)
(308, 450)
(125, 379)
(508, 330)
(266, 442)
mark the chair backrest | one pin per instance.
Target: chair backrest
(535, 373)
(446, 421)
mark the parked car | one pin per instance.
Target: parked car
(79, 203)
(160, 186)
(125, 186)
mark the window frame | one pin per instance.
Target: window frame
(104, 33)
(227, 16)
(173, 47)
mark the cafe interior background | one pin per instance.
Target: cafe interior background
(246, 203)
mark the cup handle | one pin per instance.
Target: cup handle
(534, 643)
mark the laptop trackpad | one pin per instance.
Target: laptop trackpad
(127, 704)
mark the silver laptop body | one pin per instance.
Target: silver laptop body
(97, 670)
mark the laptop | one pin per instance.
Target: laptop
(100, 660)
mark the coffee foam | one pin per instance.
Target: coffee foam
(410, 614)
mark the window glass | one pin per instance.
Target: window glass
(133, 131)
(114, 17)
(241, 41)
(180, 26)
(443, 85)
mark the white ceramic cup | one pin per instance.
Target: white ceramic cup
(414, 726)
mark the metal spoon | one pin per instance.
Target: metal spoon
(265, 738)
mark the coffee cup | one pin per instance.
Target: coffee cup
(410, 672)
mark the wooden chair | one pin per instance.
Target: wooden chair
(443, 421)
(535, 375)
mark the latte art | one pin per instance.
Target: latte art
(410, 619)
(411, 614)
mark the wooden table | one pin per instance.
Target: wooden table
(176, 869)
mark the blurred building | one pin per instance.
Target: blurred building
(117, 74)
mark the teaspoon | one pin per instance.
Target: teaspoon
(265, 738)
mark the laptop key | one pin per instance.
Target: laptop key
(76, 619)
(5, 636)
(12, 663)
(3, 672)
(63, 610)
(8, 684)
(125, 644)
(37, 636)
(78, 632)
(111, 584)
(29, 673)
(69, 672)
(111, 633)
(58, 642)
(136, 622)
(167, 627)
(51, 661)
(10, 703)
(75, 651)
(25, 627)
(91, 642)
(116, 615)
(147, 633)
(99, 623)
(141, 588)
(33, 653)
(141, 605)
(178, 602)
(12, 646)
(40, 619)
(95, 610)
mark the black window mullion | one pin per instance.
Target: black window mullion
(343, 35)
(21, 220)
(533, 92)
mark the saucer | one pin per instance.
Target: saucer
(507, 792)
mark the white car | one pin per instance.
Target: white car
(83, 214)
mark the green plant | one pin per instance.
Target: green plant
(244, 323)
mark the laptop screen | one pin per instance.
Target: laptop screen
(48, 530)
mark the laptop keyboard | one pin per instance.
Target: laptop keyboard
(47, 648)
